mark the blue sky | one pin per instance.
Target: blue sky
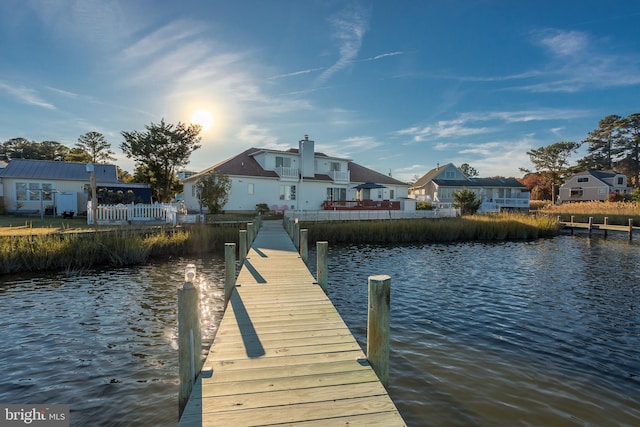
(397, 86)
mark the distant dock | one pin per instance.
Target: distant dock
(283, 355)
(604, 227)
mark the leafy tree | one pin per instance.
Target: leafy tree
(96, 146)
(603, 143)
(552, 162)
(21, 148)
(539, 188)
(161, 151)
(78, 155)
(213, 191)
(469, 171)
(629, 146)
(467, 201)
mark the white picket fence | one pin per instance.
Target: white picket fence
(162, 213)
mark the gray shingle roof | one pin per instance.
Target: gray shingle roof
(51, 170)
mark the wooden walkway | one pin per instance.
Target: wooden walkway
(283, 355)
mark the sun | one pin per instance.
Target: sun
(204, 118)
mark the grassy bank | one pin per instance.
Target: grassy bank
(471, 228)
(618, 213)
(77, 251)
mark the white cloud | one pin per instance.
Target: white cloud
(349, 29)
(26, 96)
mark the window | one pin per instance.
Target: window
(34, 191)
(450, 175)
(334, 167)
(583, 179)
(287, 192)
(283, 162)
(336, 193)
(620, 180)
(576, 192)
(250, 189)
(392, 194)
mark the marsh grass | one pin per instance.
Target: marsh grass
(618, 213)
(468, 228)
(79, 251)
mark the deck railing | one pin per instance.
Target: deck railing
(336, 205)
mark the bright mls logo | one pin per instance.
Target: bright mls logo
(34, 415)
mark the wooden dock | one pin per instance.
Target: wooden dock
(605, 227)
(283, 355)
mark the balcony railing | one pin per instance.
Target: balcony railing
(284, 172)
(339, 176)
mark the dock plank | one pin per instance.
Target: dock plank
(283, 355)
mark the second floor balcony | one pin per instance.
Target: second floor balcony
(287, 173)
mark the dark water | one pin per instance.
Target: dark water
(104, 342)
(543, 333)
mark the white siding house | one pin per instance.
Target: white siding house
(295, 179)
(497, 194)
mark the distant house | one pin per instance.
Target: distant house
(497, 194)
(593, 185)
(37, 185)
(296, 179)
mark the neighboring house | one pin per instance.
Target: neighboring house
(37, 185)
(296, 179)
(593, 185)
(497, 194)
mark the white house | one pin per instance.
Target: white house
(296, 179)
(593, 185)
(497, 194)
(39, 185)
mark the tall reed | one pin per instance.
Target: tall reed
(468, 228)
(67, 251)
(618, 213)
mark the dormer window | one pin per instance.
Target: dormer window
(583, 179)
(334, 167)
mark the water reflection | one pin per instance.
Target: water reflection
(104, 342)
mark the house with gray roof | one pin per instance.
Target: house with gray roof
(497, 194)
(32, 186)
(593, 185)
(294, 179)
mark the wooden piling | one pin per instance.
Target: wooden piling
(378, 328)
(606, 222)
(322, 264)
(243, 245)
(230, 270)
(251, 234)
(296, 234)
(590, 225)
(630, 229)
(189, 342)
(304, 244)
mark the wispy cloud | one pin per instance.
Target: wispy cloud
(465, 124)
(349, 28)
(26, 96)
(578, 61)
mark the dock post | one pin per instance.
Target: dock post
(378, 329)
(296, 234)
(243, 245)
(590, 224)
(322, 264)
(572, 227)
(229, 270)
(304, 245)
(189, 341)
(630, 228)
(606, 223)
(250, 234)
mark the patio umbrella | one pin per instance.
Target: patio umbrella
(368, 185)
